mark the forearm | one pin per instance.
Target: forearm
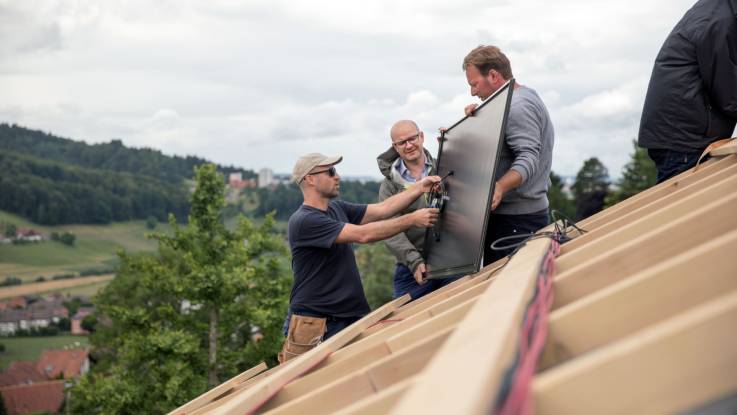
(400, 201)
(383, 229)
(509, 181)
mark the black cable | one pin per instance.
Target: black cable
(567, 222)
(560, 235)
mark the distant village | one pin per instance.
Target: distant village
(268, 179)
(35, 314)
(38, 386)
(22, 235)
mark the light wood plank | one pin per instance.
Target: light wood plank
(380, 403)
(447, 319)
(656, 192)
(653, 246)
(408, 312)
(463, 375)
(672, 366)
(252, 398)
(219, 390)
(684, 199)
(420, 304)
(653, 216)
(648, 297)
(726, 149)
(412, 321)
(393, 344)
(334, 394)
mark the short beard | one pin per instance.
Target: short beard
(331, 195)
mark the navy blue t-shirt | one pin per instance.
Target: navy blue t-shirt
(326, 279)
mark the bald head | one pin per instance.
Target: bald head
(402, 126)
(407, 141)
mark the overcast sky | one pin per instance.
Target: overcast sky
(257, 83)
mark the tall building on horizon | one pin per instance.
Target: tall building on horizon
(265, 177)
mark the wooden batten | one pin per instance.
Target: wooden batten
(252, 398)
(380, 403)
(677, 203)
(657, 192)
(727, 149)
(653, 246)
(342, 392)
(218, 391)
(449, 294)
(423, 303)
(670, 367)
(645, 298)
(408, 323)
(471, 363)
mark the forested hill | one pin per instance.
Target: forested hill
(106, 156)
(52, 180)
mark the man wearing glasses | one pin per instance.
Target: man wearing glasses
(404, 164)
(327, 294)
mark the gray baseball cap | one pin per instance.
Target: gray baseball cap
(309, 161)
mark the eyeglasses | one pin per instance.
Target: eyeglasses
(403, 143)
(331, 172)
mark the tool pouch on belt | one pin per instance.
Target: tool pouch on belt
(304, 334)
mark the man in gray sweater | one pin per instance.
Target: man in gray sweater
(520, 203)
(404, 164)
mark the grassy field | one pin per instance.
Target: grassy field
(95, 247)
(87, 290)
(30, 348)
(78, 286)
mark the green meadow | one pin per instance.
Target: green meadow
(94, 248)
(30, 348)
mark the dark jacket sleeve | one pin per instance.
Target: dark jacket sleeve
(716, 51)
(399, 245)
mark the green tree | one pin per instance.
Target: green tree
(64, 324)
(591, 188)
(151, 222)
(376, 265)
(175, 323)
(67, 238)
(639, 174)
(89, 323)
(10, 230)
(558, 198)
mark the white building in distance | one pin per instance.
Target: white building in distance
(265, 177)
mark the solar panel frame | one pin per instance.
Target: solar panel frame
(468, 154)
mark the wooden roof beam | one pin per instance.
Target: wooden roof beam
(666, 368)
(652, 246)
(714, 183)
(657, 191)
(647, 297)
(465, 373)
(653, 216)
(251, 399)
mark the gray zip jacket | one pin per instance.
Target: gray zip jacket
(406, 246)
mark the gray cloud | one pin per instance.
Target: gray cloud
(22, 33)
(256, 84)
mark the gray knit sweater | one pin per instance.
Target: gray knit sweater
(528, 150)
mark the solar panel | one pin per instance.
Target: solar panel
(468, 155)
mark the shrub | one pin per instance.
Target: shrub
(11, 281)
(151, 222)
(67, 238)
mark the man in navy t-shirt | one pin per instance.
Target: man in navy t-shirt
(327, 294)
